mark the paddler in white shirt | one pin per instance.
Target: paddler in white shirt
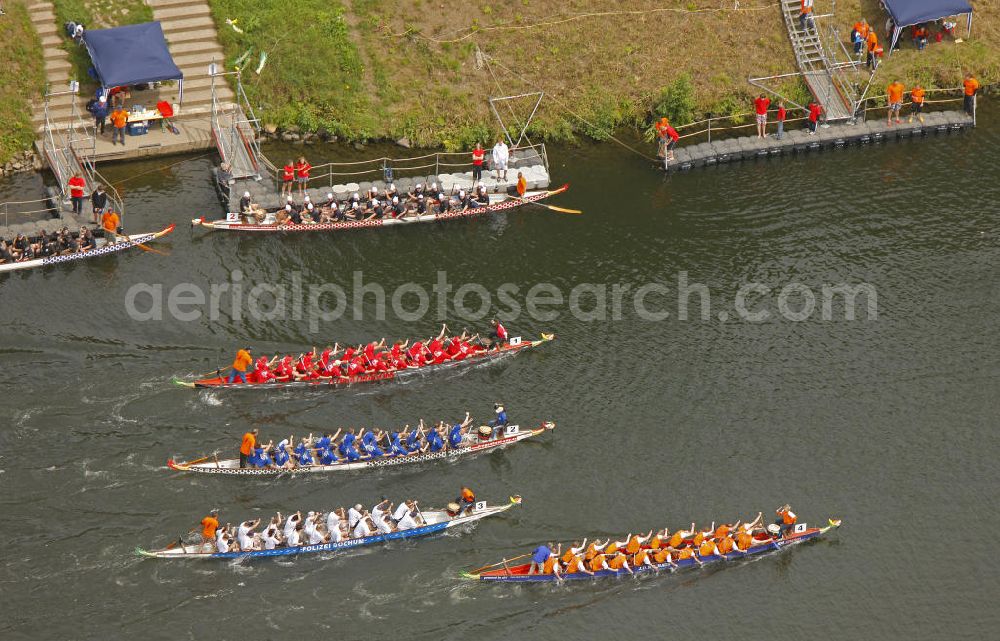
(270, 537)
(291, 531)
(310, 529)
(411, 518)
(245, 534)
(333, 521)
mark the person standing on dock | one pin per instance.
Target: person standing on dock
(100, 112)
(917, 100)
(287, 178)
(76, 185)
(814, 111)
(970, 86)
(302, 175)
(761, 104)
(501, 154)
(99, 200)
(478, 155)
(782, 114)
(119, 119)
(894, 95)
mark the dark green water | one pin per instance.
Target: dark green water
(887, 422)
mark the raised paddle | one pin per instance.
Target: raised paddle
(487, 567)
(562, 210)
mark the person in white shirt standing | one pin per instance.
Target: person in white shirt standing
(501, 155)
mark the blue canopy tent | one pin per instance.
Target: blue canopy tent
(907, 13)
(132, 55)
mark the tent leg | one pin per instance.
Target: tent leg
(969, 26)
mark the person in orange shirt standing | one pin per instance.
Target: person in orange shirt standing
(240, 365)
(119, 118)
(917, 98)
(209, 526)
(971, 86)
(109, 223)
(871, 42)
(246, 447)
(894, 94)
(805, 17)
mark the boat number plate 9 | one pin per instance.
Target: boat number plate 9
(799, 528)
(481, 505)
(510, 430)
(515, 341)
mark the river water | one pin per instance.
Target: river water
(886, 421)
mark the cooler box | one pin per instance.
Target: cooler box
(137, 129)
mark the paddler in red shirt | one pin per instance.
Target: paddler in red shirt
(287, 179)
(499, 333)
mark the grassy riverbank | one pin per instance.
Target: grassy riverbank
(21, 81)
(392, 68)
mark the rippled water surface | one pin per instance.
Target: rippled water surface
(888, 423)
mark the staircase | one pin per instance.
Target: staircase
(194, 44)
(58, 68)
(817, 64)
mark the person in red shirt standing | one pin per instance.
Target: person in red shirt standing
(302, 175)
(478, 155)
(287, 178)
(814, 111)
(760, 105)
(782, 114)
(76, 185)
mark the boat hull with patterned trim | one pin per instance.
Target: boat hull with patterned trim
(135, 240)
(503, 202)
(514, 346)
(519, 573)
(231, 467)
(436, 521)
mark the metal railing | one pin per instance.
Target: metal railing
(44, 203)
(59, 146)
(375, 168)
(711, 125)
(236, 130)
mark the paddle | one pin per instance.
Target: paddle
(143, 247)
(562, 210)
(504, 562)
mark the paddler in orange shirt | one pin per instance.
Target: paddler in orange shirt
(109, 223)
(209, 526)
(246, 447)
(240, 365)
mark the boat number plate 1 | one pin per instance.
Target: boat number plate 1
(515, 341)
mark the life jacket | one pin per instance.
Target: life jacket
(640, 557)
(707, 548)
(568, 555)
(617, 562)
(744, 540)
(788, 517)
(590, 553)
(686, 553)
(661, 556)
(468, 496)
(655, 543)
(726, 545)
(549, 564)
(573, 564)
(633, 545)
(677, 539)
(612, 548)
(596, 563)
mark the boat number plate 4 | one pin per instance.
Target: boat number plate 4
(799, 528)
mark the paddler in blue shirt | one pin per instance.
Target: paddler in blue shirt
(326, 456)
(434, 441)
(458, 431)
(347, 448)
(540, 555)
(501, 420)
(413, 439)
(369, 444)
(396, 448)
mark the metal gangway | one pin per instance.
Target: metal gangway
(60, 145)
(818, 63)
(236, 130)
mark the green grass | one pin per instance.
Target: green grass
(21, 81)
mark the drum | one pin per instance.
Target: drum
(774, 529)
(485, 432)
(454, 509)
